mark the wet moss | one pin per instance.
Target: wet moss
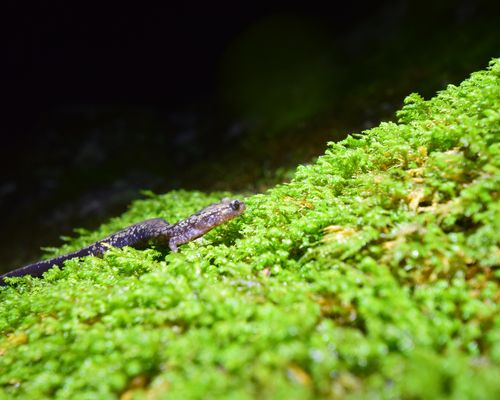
(373, 272)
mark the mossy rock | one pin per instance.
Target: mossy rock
(373, 273)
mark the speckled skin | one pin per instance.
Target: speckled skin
(141, 234)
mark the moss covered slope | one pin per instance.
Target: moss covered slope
(373, 271)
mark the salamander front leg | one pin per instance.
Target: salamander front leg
(172, 244)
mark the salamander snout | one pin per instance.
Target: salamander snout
(237, 205)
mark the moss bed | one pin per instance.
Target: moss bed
(373, 273)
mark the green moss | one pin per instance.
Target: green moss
(374, 272)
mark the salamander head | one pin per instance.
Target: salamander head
(214, 215)
(218, 213)
(203, 221)
(208, 218)
(230, 208)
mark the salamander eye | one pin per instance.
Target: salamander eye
(235, 205)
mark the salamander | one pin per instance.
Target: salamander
(152, 231)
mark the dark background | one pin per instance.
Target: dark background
(103, 100)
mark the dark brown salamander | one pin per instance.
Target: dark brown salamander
(157, 231)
